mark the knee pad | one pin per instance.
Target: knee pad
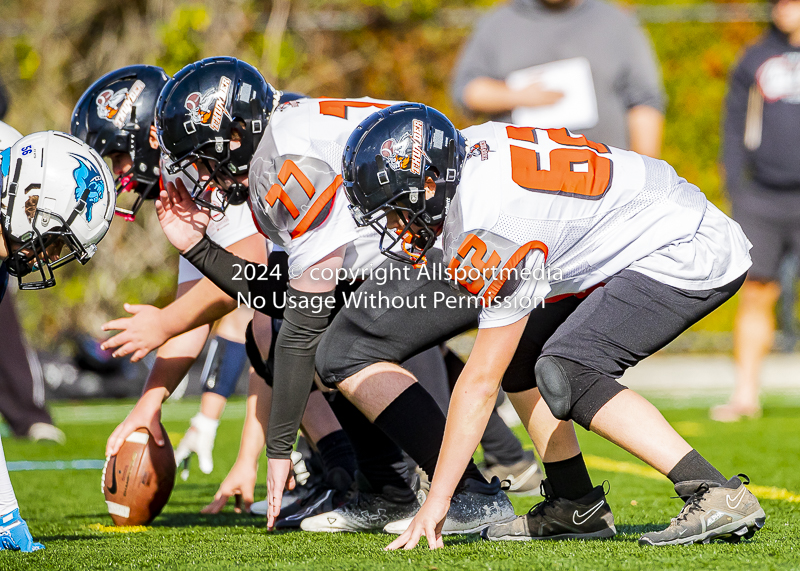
(260, 366)
(224, 365)
(554, 385)
(573, 391)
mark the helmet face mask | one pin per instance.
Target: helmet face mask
(407, 243)
(404, 159)
(217, 187)
(42, 254)
(115, 115)
(201, 113)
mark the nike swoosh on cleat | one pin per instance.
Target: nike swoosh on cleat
(587, 514)
(738, 498)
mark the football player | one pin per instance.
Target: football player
(294, 181)
(255, 99)
(57, 204)
(528, 216)
(115, 116)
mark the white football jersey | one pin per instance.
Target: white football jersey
(295, 183)
(574, 212)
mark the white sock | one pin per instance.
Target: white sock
(8, 501)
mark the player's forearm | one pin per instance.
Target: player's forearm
(487, 95)
(256, 418)
(472, 401)
(202, 305)
(238, 278)
(295, 349)
(471, 405)
(645, 130)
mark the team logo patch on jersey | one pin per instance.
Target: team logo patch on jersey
(779, 78)
(116, 106)
(89, 185)
(208, 108)
(480, 149)
(406, 153)
(286, 105)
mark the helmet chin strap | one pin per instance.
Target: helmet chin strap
(237, 194)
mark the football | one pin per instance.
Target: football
(138, 480)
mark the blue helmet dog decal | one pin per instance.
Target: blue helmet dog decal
(89, 185)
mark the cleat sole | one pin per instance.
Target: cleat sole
(731, 533)
(607, 533)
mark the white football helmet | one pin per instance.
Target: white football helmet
(57, 203)
(8, 135)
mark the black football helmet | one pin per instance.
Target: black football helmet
(200, 111)
(386, 162)
(115, 115)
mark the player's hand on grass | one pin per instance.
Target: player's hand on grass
(143, 415)
(141, 333)
(279, 477)
(239, 483)
(428, 523)
(183, 222)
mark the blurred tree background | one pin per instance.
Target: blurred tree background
(51, 50)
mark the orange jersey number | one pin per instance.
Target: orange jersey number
(338, 108)
(577, 168)
(278, 193)
(473, 273)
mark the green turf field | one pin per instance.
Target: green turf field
(66, 511)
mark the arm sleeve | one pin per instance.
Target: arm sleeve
(642, 83)
(734, 153)
(476, 60)
(265, 291)
(530, 293)
(304, 322)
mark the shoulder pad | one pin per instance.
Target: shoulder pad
(294, 195)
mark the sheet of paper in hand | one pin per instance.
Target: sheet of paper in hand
(573, 77)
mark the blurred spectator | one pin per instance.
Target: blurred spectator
(761, 156)
(21, 383)
(581, 64)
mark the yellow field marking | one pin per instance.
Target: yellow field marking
(609, 465)
(770, 493)
(117, 529)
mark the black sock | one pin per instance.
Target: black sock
(380, 460)
(569, 478)
(695, 467)
(336, 452)
(421, 440)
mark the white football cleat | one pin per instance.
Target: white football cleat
(199, 439)
(476, 506)
(260, 508)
